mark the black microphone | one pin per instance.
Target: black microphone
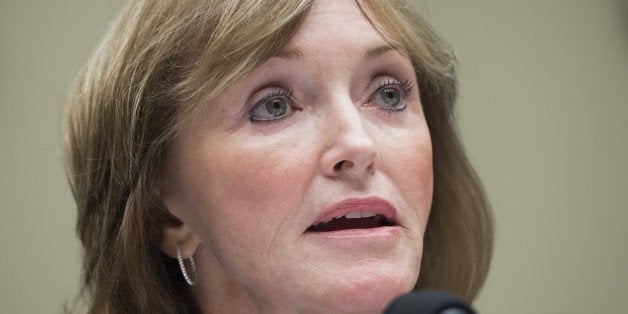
(428, 302)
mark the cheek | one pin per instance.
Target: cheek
(423, 175)
(250, 187)
(240, 200)
(253, 176)
(411, 170)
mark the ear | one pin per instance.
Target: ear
(174, 232)
(178, 235)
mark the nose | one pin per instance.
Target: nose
(350, 152)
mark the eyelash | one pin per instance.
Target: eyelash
(282, 93)
(404, 85)
(286, 93)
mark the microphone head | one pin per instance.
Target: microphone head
(428, 302)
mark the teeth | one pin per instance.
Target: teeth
(352, 215)
(368, 214)
(359, 214)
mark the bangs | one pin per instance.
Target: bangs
(242, 40)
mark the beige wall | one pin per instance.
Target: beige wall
(42, 45)
(543, 112)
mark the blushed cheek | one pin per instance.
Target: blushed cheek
(425, 172)
(261, 181)
(426, 193)
(416, 175)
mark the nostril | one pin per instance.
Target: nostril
(338, 166)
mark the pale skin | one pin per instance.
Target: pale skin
(335, 115)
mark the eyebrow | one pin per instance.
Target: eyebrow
(290, 54)
(380, 50)
(373, 52)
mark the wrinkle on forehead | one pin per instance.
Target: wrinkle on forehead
(328, 22)
(333, 18)
(370, 53)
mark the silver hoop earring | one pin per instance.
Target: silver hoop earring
(182, 266)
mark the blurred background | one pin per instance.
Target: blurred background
(543, 112)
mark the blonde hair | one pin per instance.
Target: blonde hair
(160, 61)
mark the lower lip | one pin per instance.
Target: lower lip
(379, 237)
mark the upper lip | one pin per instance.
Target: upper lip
(371, 204)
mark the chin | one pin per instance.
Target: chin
(367, 295)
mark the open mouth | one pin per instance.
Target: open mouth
(352, 220)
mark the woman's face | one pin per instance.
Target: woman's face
(330, 127)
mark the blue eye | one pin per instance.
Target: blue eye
(274, 106)
(391, 95)
(390, 98)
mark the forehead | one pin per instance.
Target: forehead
(330, 23)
